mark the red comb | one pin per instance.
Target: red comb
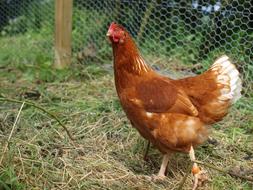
(112, 26)
(111, 29)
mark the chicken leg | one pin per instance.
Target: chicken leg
(199, 175)
(161, 174)
(145, 156)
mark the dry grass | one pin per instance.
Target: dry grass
(108, 152)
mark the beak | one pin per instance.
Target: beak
(109, 33)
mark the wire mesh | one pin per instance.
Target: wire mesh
(28, 25)
(191, 33)
(188, 32)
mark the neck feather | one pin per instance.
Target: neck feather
(128, 58)
(139, 66)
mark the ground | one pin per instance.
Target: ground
(107, 152)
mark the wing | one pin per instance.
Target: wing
(160, 96)
(213, 92)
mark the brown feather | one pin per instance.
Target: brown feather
(203, 91)
(172, 114)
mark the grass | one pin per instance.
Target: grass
(108, 152)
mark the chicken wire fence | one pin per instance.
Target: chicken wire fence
(28, 25)
(191, 33)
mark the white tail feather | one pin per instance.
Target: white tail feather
(228, 75)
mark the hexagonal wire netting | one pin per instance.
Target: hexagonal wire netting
(30, 23)
(187, 33)
(184, 32)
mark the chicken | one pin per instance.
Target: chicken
(174, 115)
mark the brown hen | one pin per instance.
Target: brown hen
(174, 115)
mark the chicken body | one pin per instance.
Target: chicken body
(174, 115)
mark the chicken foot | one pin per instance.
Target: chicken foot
(161, 174)
(199, 175)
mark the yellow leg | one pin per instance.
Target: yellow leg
(199, 175)
(161, 173)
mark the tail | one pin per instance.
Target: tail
(215, 90)
(227, 76)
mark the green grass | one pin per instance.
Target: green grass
(9, 180)
(108, 152)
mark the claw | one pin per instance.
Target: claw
(158, 178)
(161, 174)
(199, 179)
(200, 176)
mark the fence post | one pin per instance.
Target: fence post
(63, 28)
